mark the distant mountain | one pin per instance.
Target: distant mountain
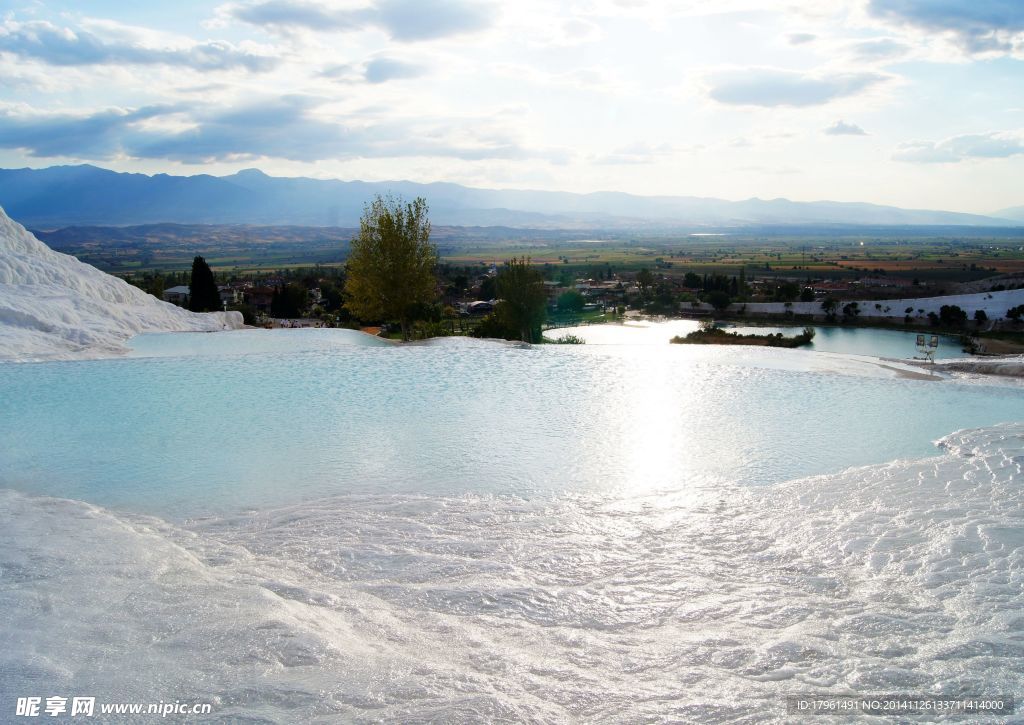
(64, 195)
(1014, 213)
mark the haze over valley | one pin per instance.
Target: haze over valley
(88, 195)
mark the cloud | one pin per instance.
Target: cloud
(99, 135)
(284, 128)
(770, 87)
(381, 70)
(375, 71)
(411, 20)
(290, 127)
(403, 20)
(993, 145)
(581, 30)
(879, 49)
(842, 128)
(346, 72)
(800, 38)
(638, 153)
(291, 14)
(50, 44)
(979, 26)
(589, 79)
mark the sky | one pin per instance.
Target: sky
(914, 103)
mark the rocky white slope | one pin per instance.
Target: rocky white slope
(53, 306)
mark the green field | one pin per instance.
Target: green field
(261, 250)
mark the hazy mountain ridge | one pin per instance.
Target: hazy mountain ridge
(88, 195)
(1014, 213)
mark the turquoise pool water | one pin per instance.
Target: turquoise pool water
(203, 427)
(316, 526)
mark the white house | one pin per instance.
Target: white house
(177, 295)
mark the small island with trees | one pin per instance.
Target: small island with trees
(711, 334)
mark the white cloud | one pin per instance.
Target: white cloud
(770, 87)
(993, 145)
(638, 153)
(879, 49)
(382, 70)
(403, 20)
(53, 45)
(801, 38)
(296, 128)
(977, 26)
(842, 128)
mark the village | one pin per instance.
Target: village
(466, 294)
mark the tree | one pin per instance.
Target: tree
(571, 301)
(952, 315)
(289, 301)
(202, 290)
(487, 289)
(787, 292)
(391, 263)
(156, 286)
(644, 279)
(828, 306)
(523, 299)
(719, 299)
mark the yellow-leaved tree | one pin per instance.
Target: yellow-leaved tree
(391, 265)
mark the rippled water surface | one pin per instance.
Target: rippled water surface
(336, 529)
(184, 435)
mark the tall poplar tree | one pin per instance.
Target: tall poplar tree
(390, 271)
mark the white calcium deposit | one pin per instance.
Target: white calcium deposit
(54, 307)
(901, 577)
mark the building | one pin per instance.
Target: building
(228, 294)
(177, 295)
(828, 288)
(885, 282)
(260, 298)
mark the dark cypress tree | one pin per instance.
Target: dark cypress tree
(202, 290)
(276, 303)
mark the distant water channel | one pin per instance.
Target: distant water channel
(877, 342)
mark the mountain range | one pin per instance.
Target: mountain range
(85, 194)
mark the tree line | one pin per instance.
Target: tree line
(391, 275)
